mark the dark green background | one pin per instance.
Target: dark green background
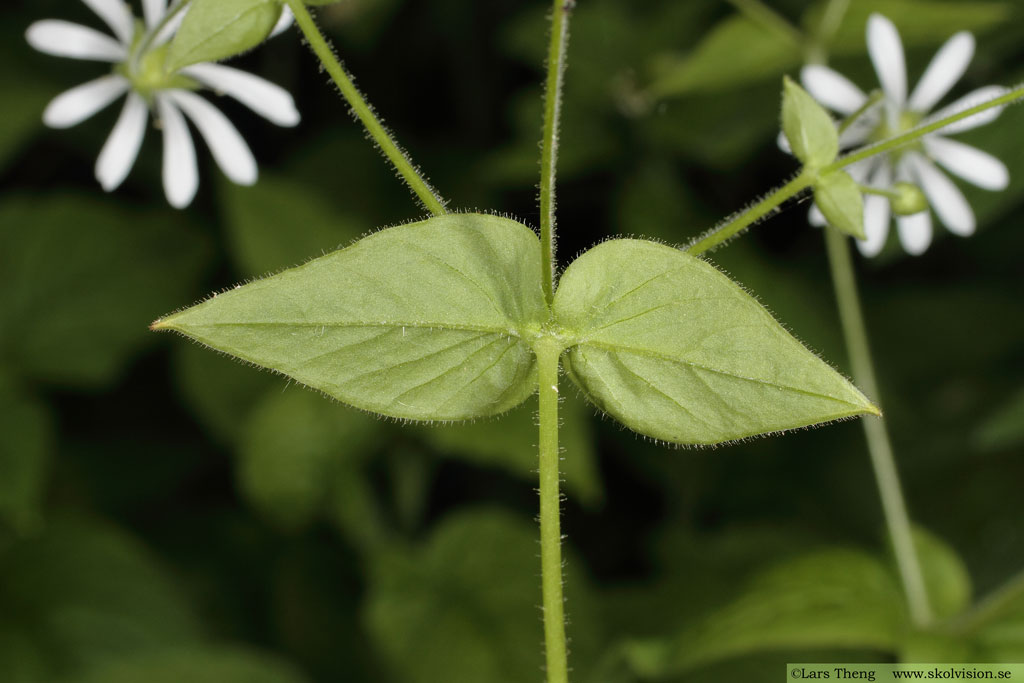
(169, 514)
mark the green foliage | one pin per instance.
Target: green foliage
(280, 223)
(838, 196)
(831, 598)
(1004, 428)
(85, 592)
(198, 665)
(25, 452)
(810, 130)
(511, 443)
(80, 323)
(945, 576)
(734, 53)
(295, 450)
(453, 608)
(218, 29)
(423, 321)
(676, 351)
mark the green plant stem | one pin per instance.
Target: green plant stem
(991, 605)
(150, 35)
(766, 17)
(549, 141)
(548, 352)
(416, 182)
(806, 178)
(755, 213)
(879, 446)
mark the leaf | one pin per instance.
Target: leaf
(217, 29)
(920, 22)
(510, 442)
(422, 322)
(79, 276)
(831, 598)
(945, 576)
(294, 447)
(85, 592)
(996, 625)
(25, 451)
(735, 52)
(280, 223)
(462, 605)
(196, 665)
(676, 351)
(838, 196)
(811, 133)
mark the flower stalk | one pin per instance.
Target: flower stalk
(879, 447)
(428, 197)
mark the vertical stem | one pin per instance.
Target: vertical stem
(549, 142)
(548, 353)
(364, 112)
(879, 446)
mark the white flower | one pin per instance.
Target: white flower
(915, 163)
(137, 50)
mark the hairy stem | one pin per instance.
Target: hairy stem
(755, 213)
(548, 353)
(763, 208)
(879, 446)
(364, 112)
(549, 142)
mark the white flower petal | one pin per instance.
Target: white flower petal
(284, 23)
(117, 16)
(226, 144)
(970, 163)
(945, 69)
(181, 176)
(886, 52)
(858, 133)
(971, 99)
(876, 214)
(915, 232)
(171, 27)
(832, 89)
(154, 11)
(122, 147)
(270, 101)
(945, 197)
(64, 39)
(73, 106)
(815, 217)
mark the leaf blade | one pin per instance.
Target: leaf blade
(678, 352)
(422, 322)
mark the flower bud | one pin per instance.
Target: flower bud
(908, 199)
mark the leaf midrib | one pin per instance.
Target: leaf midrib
(649, 353)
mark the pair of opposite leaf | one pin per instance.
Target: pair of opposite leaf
(438, 321)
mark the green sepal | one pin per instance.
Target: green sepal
(217, 29)
(810, 130)
(427, 321)
(839, 198)
(675, 350)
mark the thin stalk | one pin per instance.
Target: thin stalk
(758, 211)
(364, 112)
(920, 131)
(991, 605)
(766, 17)
(151, 34)
(548, 352)
(875, 97)
(549, 142)
(879, 446)
(806, 178)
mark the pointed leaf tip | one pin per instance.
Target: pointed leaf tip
(676, 351)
